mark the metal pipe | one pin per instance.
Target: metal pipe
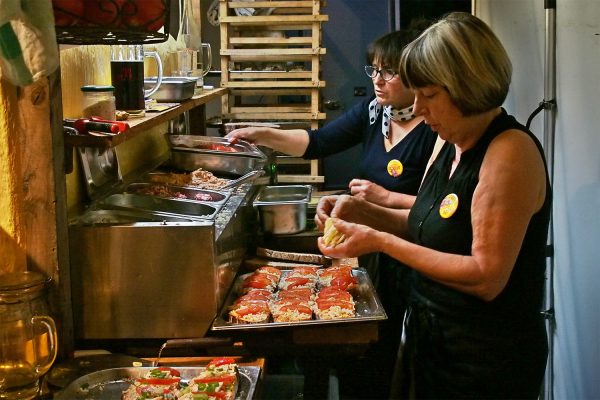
(549, 134)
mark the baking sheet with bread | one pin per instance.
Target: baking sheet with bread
(301, 295)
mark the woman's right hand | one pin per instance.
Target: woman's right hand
(250, 134)
(344, 206)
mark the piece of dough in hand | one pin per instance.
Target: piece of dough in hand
(331, 236)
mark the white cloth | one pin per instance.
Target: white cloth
(34, 54)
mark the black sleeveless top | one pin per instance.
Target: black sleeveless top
(462, 346)
(524, 291)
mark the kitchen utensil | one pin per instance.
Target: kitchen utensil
(28, 342)
(250, 176)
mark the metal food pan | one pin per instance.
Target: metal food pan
(123, 217)
(367, 304)
(190, 209)
(186, 193)
(214, 145)
(283, 209)
(109, 384)
(172, 88)
(218, 163)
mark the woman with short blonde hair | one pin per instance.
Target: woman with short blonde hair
(473, 68)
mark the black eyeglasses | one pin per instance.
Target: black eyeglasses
(386, 73)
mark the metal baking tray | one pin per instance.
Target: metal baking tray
(109, 384)
(214, 145)
(367, 304)
(124, 217)
(181, 208)
(187, 193)
(172, 88)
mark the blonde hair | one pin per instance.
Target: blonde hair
(461, 54)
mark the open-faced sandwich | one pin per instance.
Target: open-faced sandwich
(217, 382)
(160, 383)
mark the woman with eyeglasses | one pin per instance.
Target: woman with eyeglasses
(397, 148)
(396, 144)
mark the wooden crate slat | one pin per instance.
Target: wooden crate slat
(266, 84)
(272, 4)
(271, 92)
(269, 75)
(273, 52)
(273, 109)
(273, 116)
(284, 41)
(259, 20)
(272, 58)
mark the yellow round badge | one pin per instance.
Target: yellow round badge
(395, 168)
(449, 206)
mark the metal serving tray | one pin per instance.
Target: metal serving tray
(367, 305)
(109, 384)
(124, 217)
(214, 145)
(172, 88)
(160, 206)
(194, 194)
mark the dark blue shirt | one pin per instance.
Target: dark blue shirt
(353, 128)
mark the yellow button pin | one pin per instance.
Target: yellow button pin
(449, 206)
(395, 168)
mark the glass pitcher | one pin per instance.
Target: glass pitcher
(195, 63)
(127, 76)
(28, 341)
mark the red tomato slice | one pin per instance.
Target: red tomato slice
(252, 309)
(158, 381)
(218, 395)
(173, 371)
(226, 379)
(221, 361)
(343, 282)
(295, 281)
(325, 304)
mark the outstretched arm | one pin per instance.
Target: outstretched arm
(292, 142)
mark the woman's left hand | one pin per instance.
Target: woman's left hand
(365, 189)
(359, 240)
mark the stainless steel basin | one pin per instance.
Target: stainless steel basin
(160, 206)
(124, 217)
(181, 192)
(282, 209)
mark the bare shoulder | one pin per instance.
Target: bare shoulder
(514, 162)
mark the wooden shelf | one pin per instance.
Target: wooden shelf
(271, 65)
(140, 125)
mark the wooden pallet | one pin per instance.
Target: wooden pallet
(271, 66)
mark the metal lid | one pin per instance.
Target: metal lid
(17, 284)
(97, 88)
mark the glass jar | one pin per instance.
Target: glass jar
(99, 101)
(28, 342)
